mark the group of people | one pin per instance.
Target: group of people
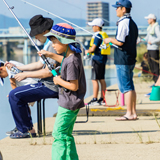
(61, 49)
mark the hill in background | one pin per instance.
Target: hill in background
(7, 22)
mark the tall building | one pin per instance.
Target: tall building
(98, 10)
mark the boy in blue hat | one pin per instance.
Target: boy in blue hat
(72, 78)
(125, 59)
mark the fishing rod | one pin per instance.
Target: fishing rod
(59, 17)
(88, 55)
(52, 70)
(42, 56)
(102, 47)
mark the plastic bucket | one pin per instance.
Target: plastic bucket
(155, 93)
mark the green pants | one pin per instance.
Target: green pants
(63, 147)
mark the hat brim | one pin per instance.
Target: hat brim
(42, 28)
(146, 17)
(90, 24)
(63, 40)
(149, 17)
(1, 81)
(116, 6)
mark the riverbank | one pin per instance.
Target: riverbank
(101, 138)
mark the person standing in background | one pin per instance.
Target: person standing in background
(125, 59)
(153, 38)
(98, 61)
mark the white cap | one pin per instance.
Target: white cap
(151, 16)
(97, 22)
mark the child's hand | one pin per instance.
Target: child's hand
(20, 76)
(86, 51)
(9, 65)
(44, 52)
(56, 80)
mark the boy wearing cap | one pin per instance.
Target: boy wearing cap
(125, 58)
(98, 61)
(72, 78)
(45, 88)
(153, 38)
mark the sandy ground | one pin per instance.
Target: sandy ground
(101, 138)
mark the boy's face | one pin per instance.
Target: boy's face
(120, 11)
(3, 72)
(95, 28)
(58, 46)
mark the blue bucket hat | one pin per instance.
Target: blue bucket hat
(66, 34)
(123, 3)
(1, 79)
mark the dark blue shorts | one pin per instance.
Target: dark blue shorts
(98, 70)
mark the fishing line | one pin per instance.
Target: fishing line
(101, 47)
(80, 9)
(42, 56)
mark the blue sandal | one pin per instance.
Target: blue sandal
(19, 135)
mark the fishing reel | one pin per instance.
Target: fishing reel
(103, 46)
(15, 70)
(87, 56)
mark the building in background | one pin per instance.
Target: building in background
(98, 10)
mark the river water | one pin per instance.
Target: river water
(6, 119)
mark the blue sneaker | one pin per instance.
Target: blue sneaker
(148, 94)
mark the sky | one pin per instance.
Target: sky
(77, 9)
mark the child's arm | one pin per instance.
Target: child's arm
(54, 56)
(71, 85)
(91, 50)
(13, 83)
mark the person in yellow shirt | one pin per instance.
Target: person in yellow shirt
(98, 61)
